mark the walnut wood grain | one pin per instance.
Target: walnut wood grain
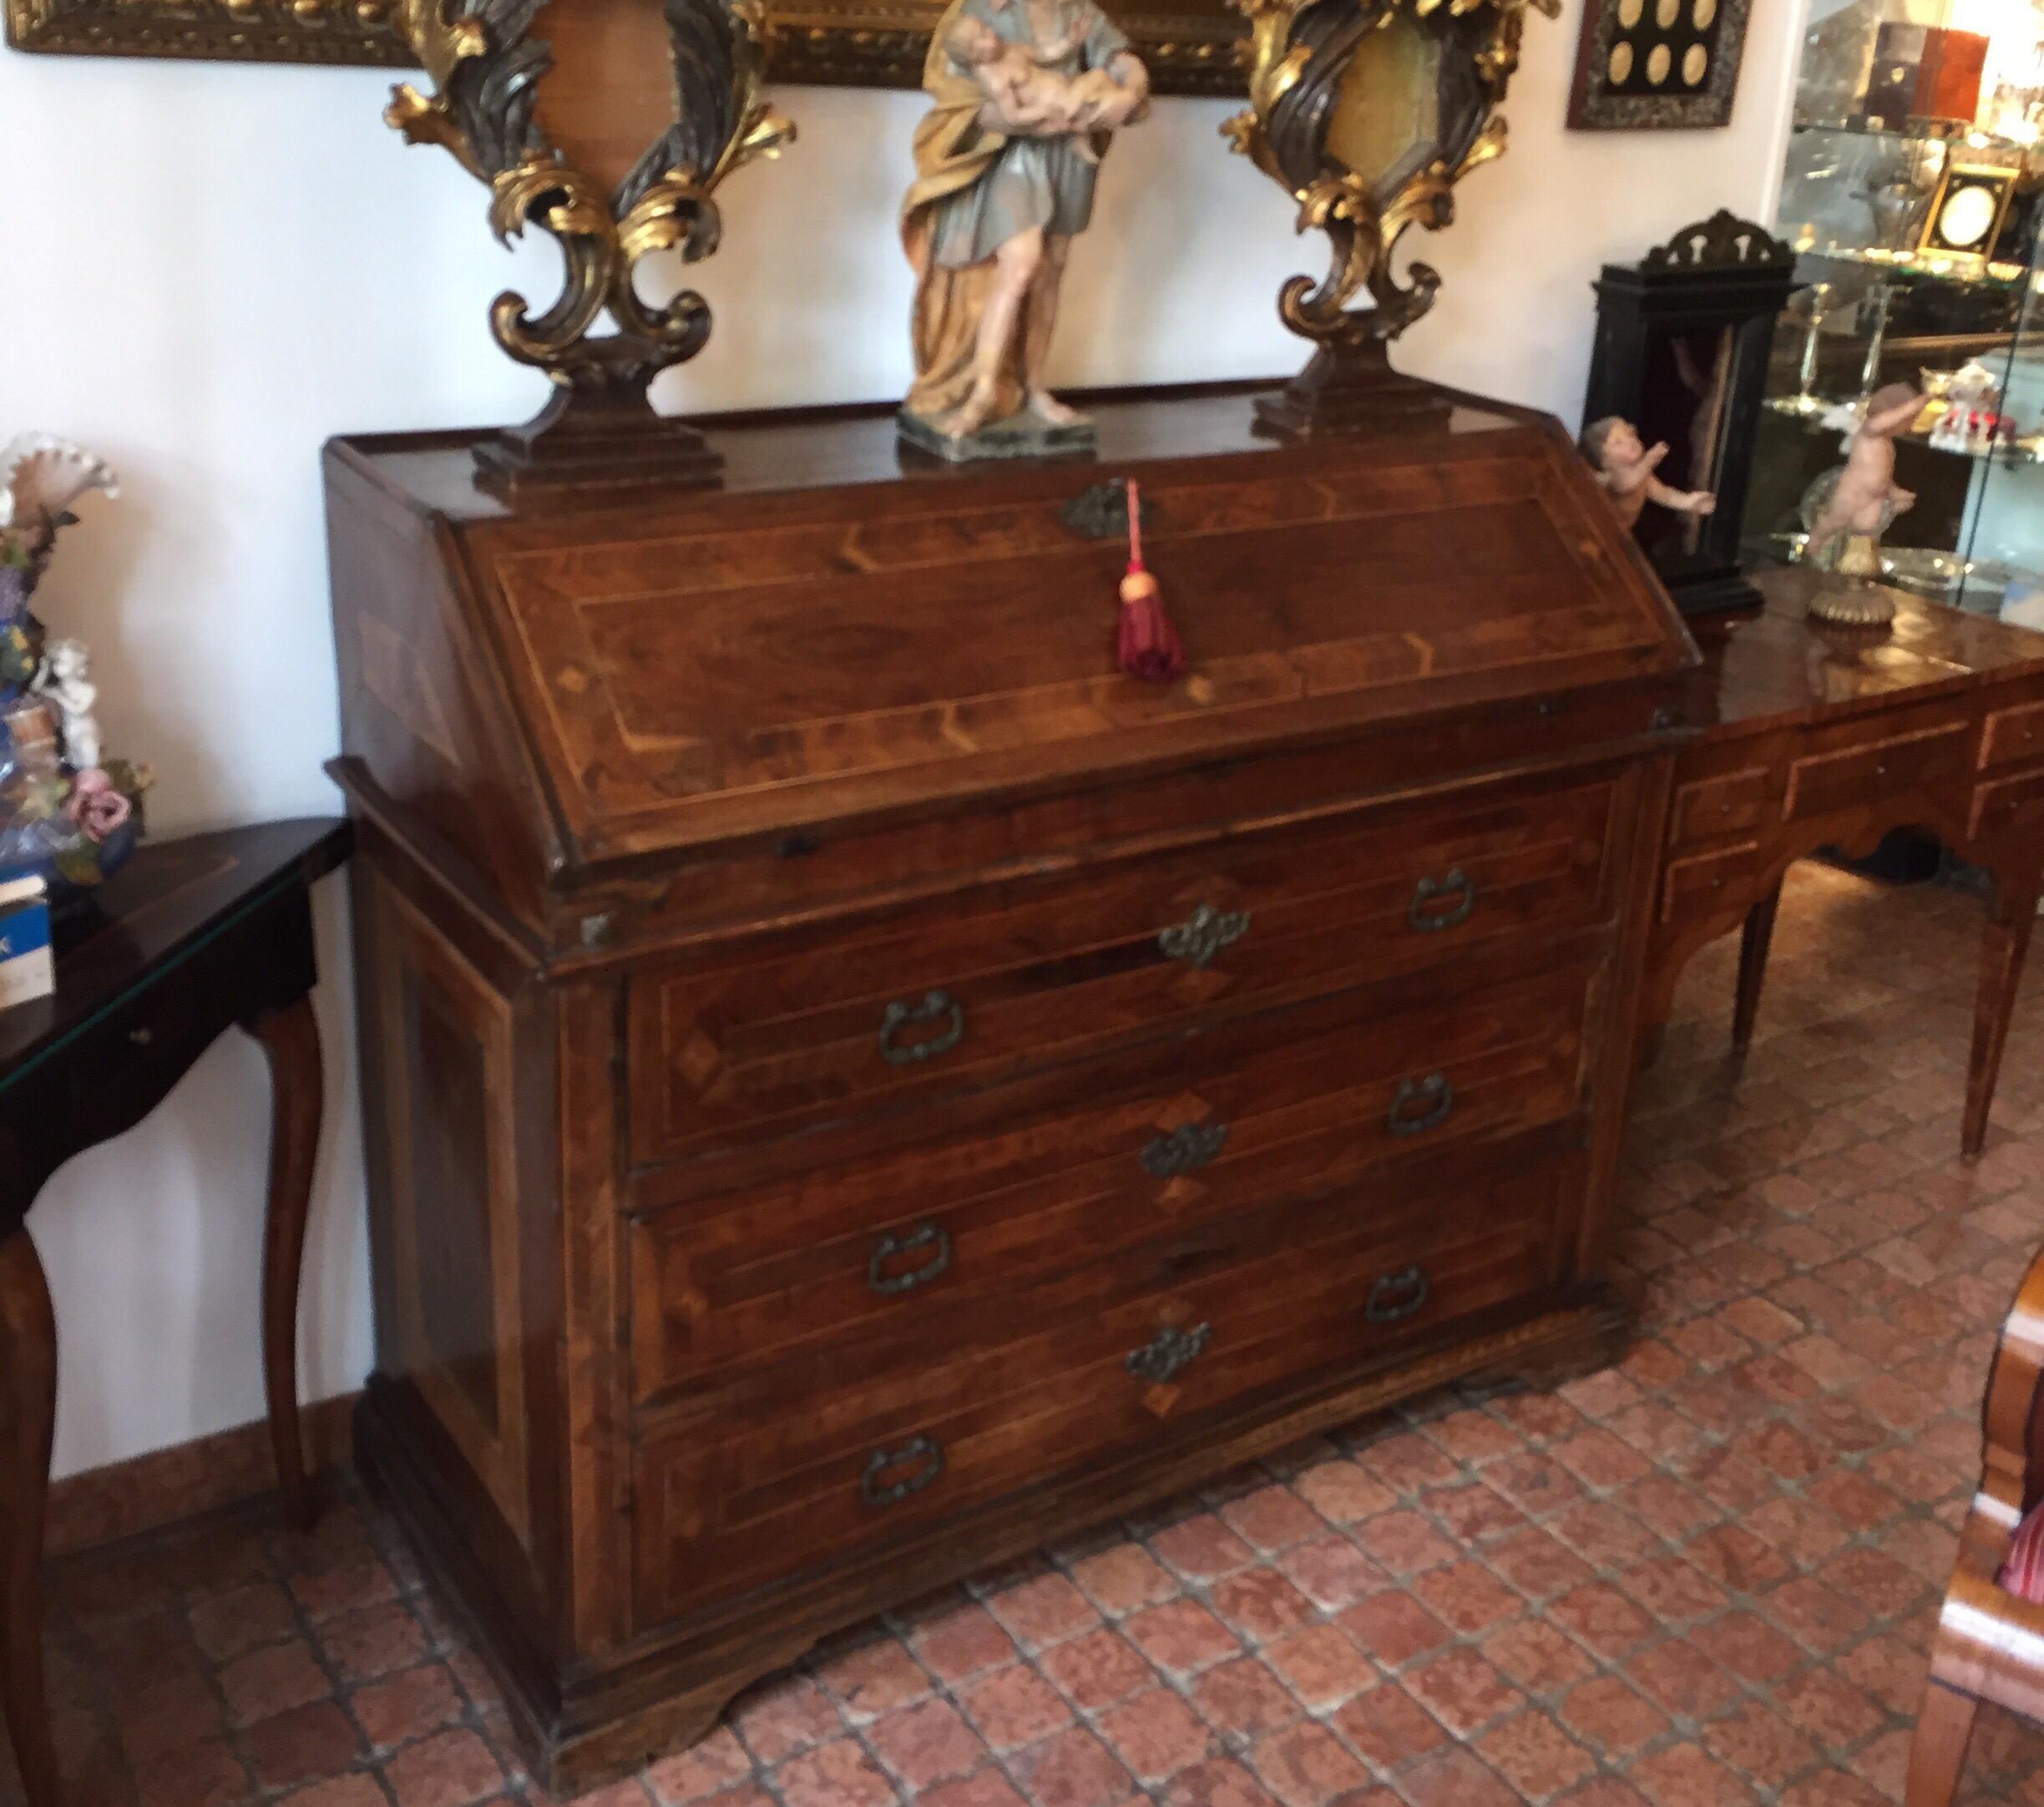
(1817, 737)
(811, 1003)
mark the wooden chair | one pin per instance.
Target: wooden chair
(1990, 1643)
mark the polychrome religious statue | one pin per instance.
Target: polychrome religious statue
(1028, 94)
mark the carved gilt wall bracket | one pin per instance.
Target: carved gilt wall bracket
(562, 161)
(1369, 113)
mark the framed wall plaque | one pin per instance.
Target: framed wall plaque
(1649, 64)
(1192, 47)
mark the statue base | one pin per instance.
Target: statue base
(1020, 436)
(1348, 387)
(602, 438)
(1854, 604)
(1857, 601)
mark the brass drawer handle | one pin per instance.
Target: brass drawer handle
(923, 1236)
(924, 1451)
(1419, 1104)
(1203, 934)
(1185, 1150)
(1167, 1352)
(1394, 1296)
(936, 1005)
(1421, 912)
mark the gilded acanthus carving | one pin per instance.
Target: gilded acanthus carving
(1304, 55)
(487, 69)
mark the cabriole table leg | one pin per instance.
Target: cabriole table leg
(27, 1419)
(290, 1037)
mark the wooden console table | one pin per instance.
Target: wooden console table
(193, 937)
(1816, 736)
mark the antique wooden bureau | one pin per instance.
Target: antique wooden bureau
(856, 1086)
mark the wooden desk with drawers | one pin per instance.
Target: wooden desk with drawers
(1816, 736)
(857, 1087)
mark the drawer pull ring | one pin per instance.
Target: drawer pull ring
(923, 1236)
(936, 1005)
(1203, 934)
(1394, 1296)
(925, 1451)
(1185, 1150)
(1167, 1352)
(1421, 912)
(1419, 1104)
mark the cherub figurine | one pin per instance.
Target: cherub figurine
(1860, 499)
(65, 681)
(1626, 469)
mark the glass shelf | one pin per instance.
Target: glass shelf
(1935, 266)
(1811, 409)
(1917, 131)
(1865, 189)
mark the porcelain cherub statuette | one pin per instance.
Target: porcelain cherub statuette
(65, 681)
(1626, 467)
(1025, 96)
(1861, 499)
(1848, 509)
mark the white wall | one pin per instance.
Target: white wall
(204, 270)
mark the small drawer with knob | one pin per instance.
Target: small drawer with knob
(1931, 758)
(809, 1462)
(1705, 884)
(1732, 802)
(783, 1033)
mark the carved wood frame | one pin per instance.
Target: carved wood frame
(1192, 47)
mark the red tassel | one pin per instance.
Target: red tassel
(2022, 1574)
(1147, 645)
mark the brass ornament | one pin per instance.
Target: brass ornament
(489, 72)
(1448, 64)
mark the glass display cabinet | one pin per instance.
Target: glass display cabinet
(1912, 195)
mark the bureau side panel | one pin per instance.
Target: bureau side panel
(461, 1425)
(1612, 1038)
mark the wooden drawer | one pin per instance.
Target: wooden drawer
(2008, 803)
(822, 1458)
(1845, 779)
(917, 1242)
(808, 1029)
(2013, 735)
(1733, 803)
(1692, 887)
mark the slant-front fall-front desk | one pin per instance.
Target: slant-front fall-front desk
(857, 1087)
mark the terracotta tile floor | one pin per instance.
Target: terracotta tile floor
(1707, 1575)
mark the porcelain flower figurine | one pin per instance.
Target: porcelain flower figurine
(1026, 94)
(66, 810)
(1626, 469)
(41, 477)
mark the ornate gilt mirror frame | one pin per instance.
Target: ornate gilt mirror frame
(1192, 47)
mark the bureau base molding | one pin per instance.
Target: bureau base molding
(654, 1701)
